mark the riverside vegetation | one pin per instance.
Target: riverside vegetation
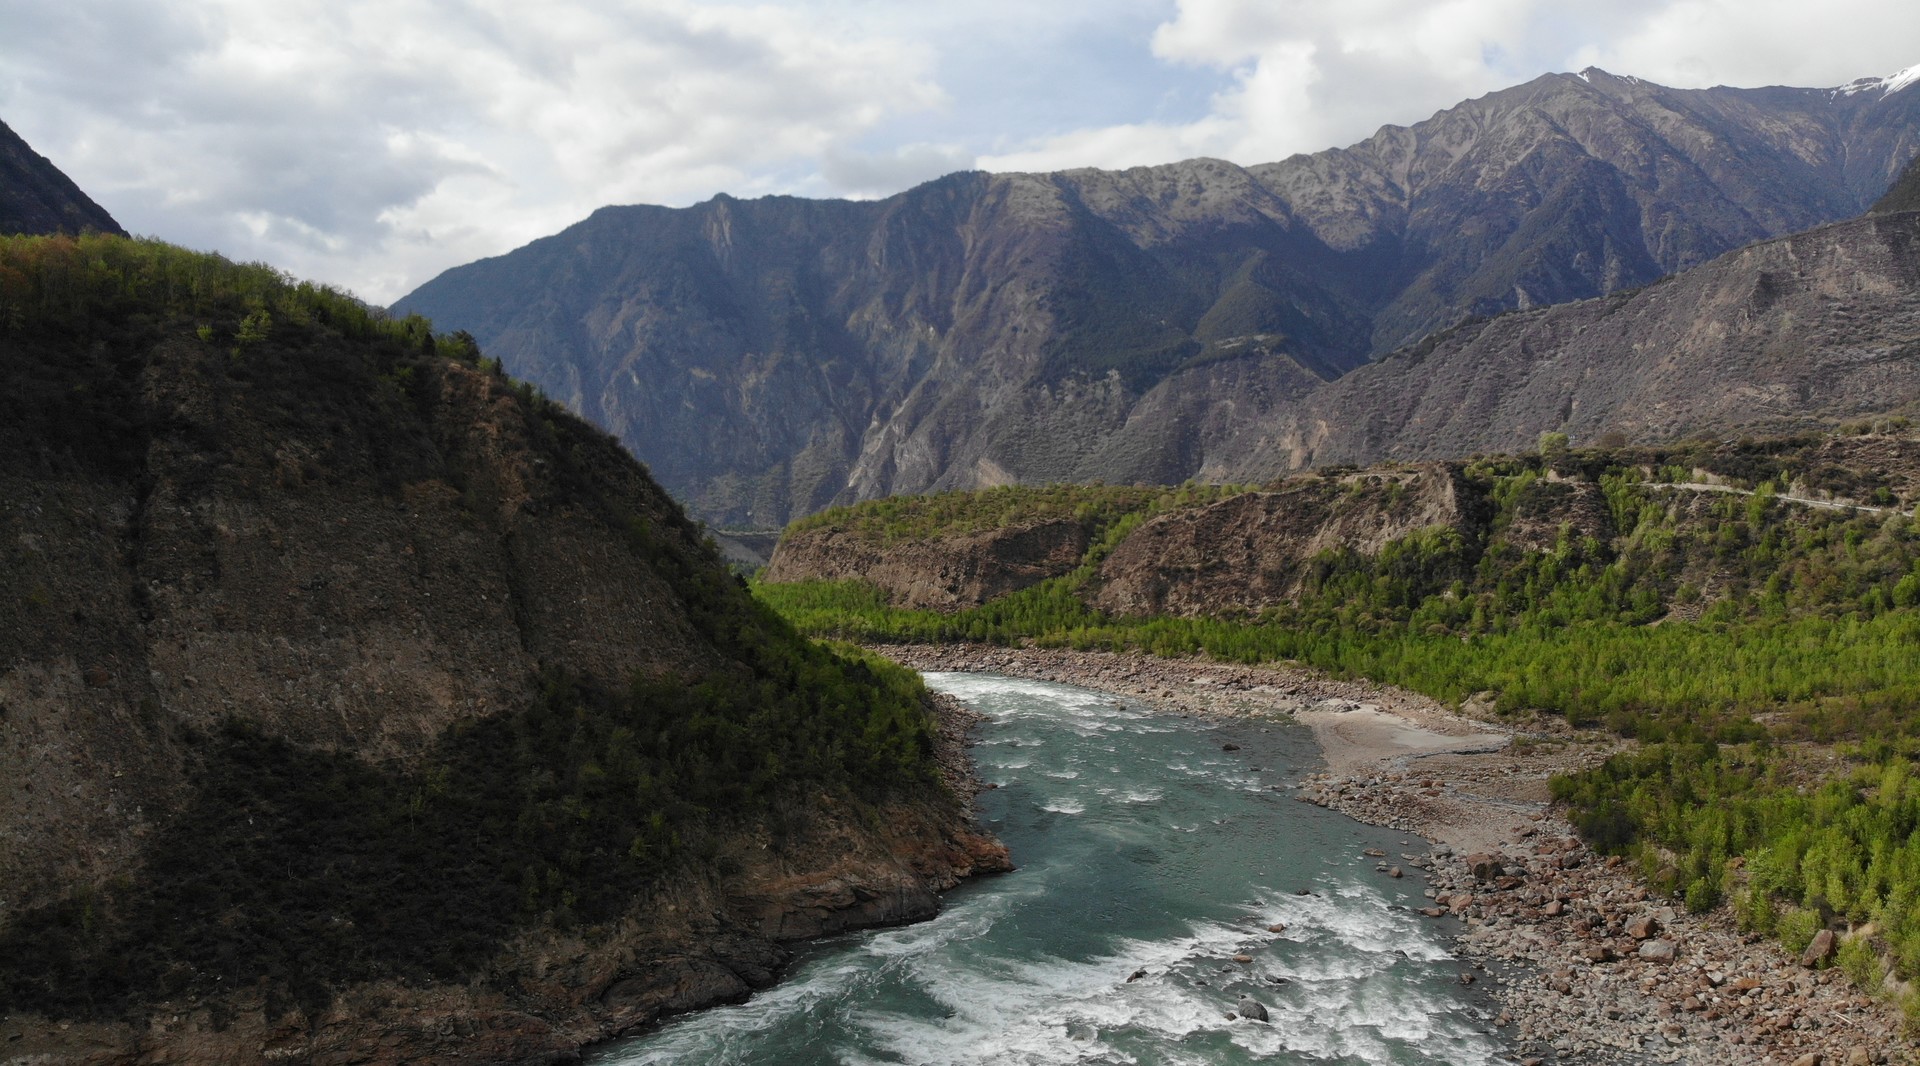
(1764, 652)
(292, 869)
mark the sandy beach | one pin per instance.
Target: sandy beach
(1587, 966)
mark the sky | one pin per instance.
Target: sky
(371, 144)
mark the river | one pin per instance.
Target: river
(1145, 843)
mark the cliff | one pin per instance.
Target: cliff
(358, 704)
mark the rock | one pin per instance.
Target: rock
(1820, 950)
(1135, 976)
(1553, 909)
(1395, 871)
(1243, 960)
(1229, 747)
(1811, 1058)
(1251, 1009)
(1642, 927)
(98, 677)
(1277, 927)
(1485, 867)
(1859, 1057)
(1658, 950)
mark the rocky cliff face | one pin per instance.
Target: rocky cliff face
(944, 572)
(1791, 333)
(35, 197)
(306, 631)
(1254, 551)
(769, 357)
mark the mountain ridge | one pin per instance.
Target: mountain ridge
(769, 357)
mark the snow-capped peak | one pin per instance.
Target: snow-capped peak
(1887, 86)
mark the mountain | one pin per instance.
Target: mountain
(35, 197)
(359, 704)
(766, 358)
(1802, 331)
(1905, 194)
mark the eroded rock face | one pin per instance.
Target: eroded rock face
(1252, 551)
(944, 573)
(1783, 335)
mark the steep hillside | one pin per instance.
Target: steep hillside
(1807, 330)
(1905, 194)
(767, 358)
(35, 197)
(358, 704)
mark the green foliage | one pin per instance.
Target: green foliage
(1098, 507)
(1803, 617)
(292, 870)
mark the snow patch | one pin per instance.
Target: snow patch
(1887, 86)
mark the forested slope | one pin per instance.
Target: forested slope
(357, 701)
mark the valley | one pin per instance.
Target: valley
(515, 674)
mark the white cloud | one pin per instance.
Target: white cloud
(1698, 43)
(1304, 75)
(373, 143)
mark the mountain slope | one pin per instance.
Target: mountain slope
(358, 703)
(35, 197)
(769, 357)
(1905, 194)
(1805, 330)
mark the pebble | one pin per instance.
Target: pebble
(1592, 969)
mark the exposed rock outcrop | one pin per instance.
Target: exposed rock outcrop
(943, 572)
(1253, 551)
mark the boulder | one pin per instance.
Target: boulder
(1251, 1009)
(1820, 950)
(1658, 950)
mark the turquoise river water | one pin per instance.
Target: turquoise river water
(1141, 844)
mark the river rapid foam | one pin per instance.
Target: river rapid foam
(1153, 852)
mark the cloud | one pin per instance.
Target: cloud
(372, 143)
(1698, 43)
(853, 173)
(1302, 76)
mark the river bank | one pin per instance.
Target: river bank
(1590, 969)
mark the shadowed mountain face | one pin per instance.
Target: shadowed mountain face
(342, 679)
(36, 198)
(769, 357)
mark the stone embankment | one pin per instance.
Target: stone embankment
(1588, 967)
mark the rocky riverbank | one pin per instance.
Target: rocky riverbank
(1588, 968)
